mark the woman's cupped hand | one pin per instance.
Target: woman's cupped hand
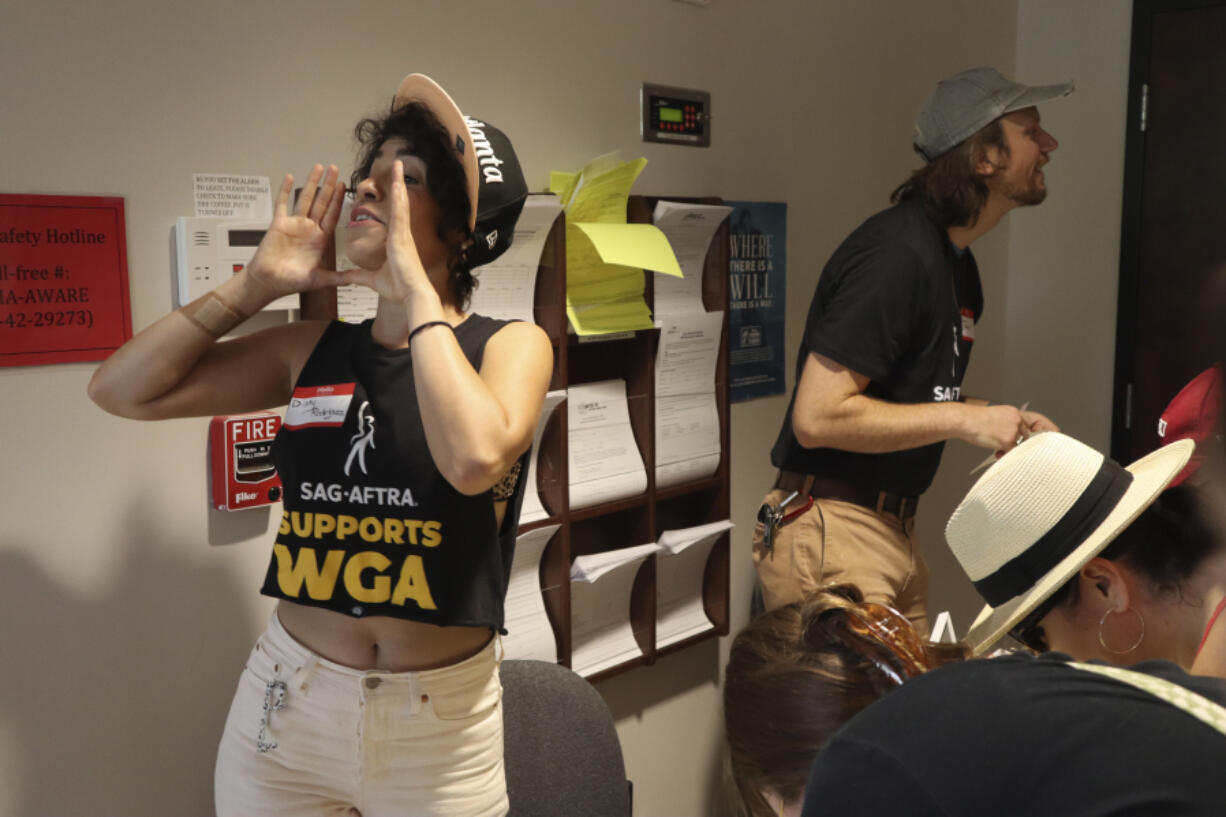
(290, 257)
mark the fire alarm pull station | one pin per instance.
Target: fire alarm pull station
(240, 455)
(210, 249)
(681, 116)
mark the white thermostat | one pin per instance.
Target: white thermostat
(210, 249)
(681, 116)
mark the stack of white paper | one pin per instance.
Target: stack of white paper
(506, 287)
(603, 457)
(591, 567)
(679, 572)
(601, 584)
(689, 228)
(532, 510)
(687, 419)
(529, 634)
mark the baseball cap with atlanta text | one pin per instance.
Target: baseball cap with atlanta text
(502, 191)
(495, 181)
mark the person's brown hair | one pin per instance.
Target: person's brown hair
(951, 191)
(789, 686)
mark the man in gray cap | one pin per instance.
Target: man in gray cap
(885, 347)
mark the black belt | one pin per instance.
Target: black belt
(885, 502)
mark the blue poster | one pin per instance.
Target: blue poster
(758, 279)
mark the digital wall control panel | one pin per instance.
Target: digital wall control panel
(210, 250)
(680, 116)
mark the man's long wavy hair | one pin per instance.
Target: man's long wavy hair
(952, 192)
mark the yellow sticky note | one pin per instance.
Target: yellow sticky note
(633, 245)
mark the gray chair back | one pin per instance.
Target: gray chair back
(562, 753)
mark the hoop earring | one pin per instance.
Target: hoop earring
(1103, 642)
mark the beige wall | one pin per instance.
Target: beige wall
(1049, 325)
(126, 605)
(1064, 256)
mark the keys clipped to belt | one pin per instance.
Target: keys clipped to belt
(771, 516)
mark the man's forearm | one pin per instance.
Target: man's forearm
(832, 411)
(868, 425)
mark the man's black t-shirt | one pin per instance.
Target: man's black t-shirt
(897, 303)
(1024, 736)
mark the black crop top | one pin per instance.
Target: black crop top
(370, 527)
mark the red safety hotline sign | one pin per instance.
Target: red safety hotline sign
(63, 279)
(240, 455)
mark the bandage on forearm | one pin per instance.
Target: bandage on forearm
(213, 315)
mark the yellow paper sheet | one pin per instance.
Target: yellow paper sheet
(600, 195)
(562, 184)
(603, 318)
(602, 297)
(621, 284)
(583, 263)
(604, 269)
(633, 245)
(604, 163)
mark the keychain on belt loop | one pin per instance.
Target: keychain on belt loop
(771, 516)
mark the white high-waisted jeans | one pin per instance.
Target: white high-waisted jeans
(307, 737)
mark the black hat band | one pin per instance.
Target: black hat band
(1025, 570)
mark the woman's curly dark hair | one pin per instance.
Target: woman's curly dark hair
(445, 180)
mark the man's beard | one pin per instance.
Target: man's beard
(1026, 195)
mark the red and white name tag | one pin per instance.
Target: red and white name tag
(968, 325)
(316, 406)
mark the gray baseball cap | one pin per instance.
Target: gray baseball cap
(967, 101)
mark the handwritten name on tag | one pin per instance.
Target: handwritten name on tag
(319, 406)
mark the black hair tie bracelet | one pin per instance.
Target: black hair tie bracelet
(427, 325)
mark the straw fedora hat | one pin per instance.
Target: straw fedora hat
(1039, 514)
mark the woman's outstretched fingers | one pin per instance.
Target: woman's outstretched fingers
(333, 212)
(324, 200)
(398, 193)
(282, 208)
(398, 223)
(307, 197)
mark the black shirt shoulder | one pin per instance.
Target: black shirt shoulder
(1018, 735)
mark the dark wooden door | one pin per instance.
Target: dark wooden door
(1174, 230)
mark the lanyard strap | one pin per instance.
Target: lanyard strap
(1195, 704)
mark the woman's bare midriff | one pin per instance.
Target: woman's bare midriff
(379, 642)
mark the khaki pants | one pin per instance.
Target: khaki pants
(837, 542)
